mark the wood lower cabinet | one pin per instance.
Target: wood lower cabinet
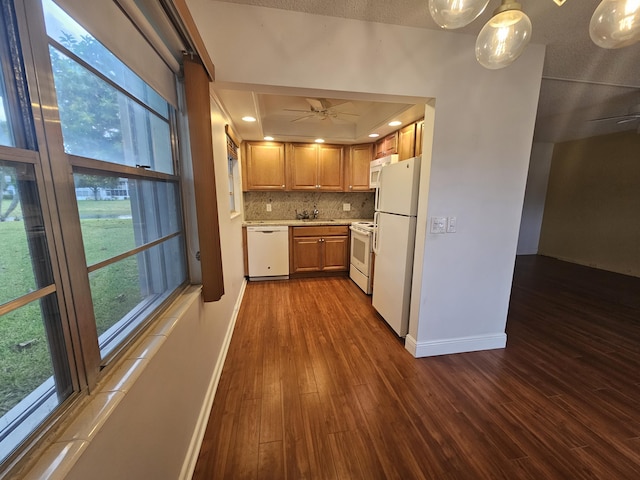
(321, 249)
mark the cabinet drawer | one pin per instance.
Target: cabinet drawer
(320, 231)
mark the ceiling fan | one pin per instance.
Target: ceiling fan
(632, 116)
(322, 109)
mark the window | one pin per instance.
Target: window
(232, 168)
(112, 232)
(106, 111)
(133, 244)
(35, 375)
(134, 251)
(6, 137)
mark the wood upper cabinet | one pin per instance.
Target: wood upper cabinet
(264, 166)
(315, 167)
(387, 145)
(419, 133)
(407, 142)
(357, 168)
(319, 249)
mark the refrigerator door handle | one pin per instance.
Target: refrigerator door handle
(376, 202)
(375, 230)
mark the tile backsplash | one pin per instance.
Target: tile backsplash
(285, 204)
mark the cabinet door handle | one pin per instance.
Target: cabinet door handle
(282, 186)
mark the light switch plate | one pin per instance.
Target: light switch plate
(438, 225)
(451, 224)
(268, 207)
(346, 207)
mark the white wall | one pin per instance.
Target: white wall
(481, 141)
(146, 418)
(592, 203)
(534, 197)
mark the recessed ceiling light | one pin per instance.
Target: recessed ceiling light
(249, 119)
(319, 140)
(374, 135)
(268, 138)
(395, 123)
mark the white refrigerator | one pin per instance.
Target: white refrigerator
(394, 241)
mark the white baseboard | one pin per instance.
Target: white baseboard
(193, 451)
(454, 345)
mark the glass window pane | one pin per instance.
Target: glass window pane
(24, 256)
(6, 133)
(100, 122)
(124, 292)
(34, 373)
(119, 214)
(70, 34)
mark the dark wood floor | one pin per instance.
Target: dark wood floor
(316, 386)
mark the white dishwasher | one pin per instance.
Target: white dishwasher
(268, 251)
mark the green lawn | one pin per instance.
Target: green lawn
(104, 208)
(86, 208)
(115, 291)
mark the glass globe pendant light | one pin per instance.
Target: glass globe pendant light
(615, 23)
(452, 14)
(504, 36)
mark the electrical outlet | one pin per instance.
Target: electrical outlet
(438, 224)
(346, 207)
(268, 207)
(451, 224)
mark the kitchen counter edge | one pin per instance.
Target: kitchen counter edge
(300, 223)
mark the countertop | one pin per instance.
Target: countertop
(298, 223)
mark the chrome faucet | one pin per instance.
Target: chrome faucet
(302, 216)
(315, 212)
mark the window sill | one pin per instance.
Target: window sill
(59, 458)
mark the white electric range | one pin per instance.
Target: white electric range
(360, 270)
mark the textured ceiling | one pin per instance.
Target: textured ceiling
(580, 80)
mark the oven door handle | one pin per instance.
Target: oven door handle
(375, 231)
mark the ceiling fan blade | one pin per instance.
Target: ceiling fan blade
(347, 113)
(299, 119)
(295, 110)
(632, 118)
(615, 118)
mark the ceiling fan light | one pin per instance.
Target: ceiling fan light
(452, 14)
(504, 37)
(615, 23)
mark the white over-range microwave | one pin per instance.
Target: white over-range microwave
(375, 167)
